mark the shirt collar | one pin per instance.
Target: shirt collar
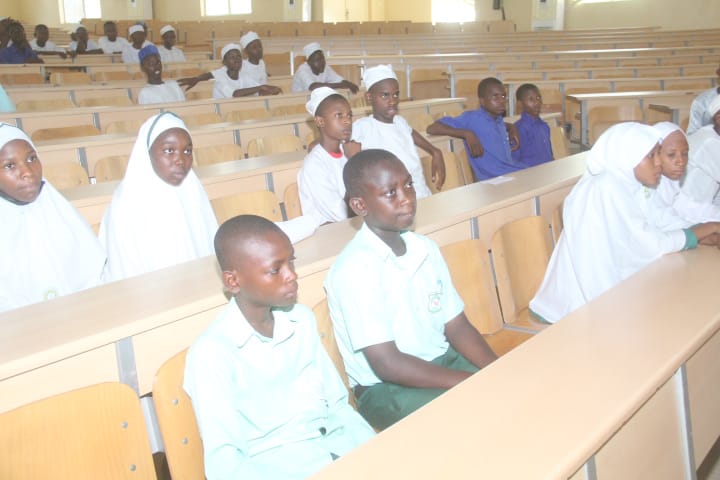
(490, 117)
(240, 332)
(415, 254)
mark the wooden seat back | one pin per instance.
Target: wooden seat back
(602, 117)
(112, 101)
(70, 78)
(64, 175)
(212, 154)
(291, 201)
(43, 105)
(123, 126)
(56, 133)
(198, 119)
(270, 145)
(110, 168)
(261, 202)
(453, 175)
(248, 114)
(559, 141)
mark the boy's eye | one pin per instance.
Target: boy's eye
(168, 150)
(390, 193)
(410, 184)
(188, 151)
(9, 166)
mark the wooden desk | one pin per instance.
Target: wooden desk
(669, 110)
(625, 387)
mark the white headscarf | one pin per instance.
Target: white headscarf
(606, 236)
(151, 224)
(46, 248)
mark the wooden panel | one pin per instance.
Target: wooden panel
(703, 371)
(446, 235)
(491, 221)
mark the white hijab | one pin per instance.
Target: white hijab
(151, 224)
(606, 235)
(47, 248)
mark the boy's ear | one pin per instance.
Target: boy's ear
(231, 281)
(357, 204)
(319, 121)
(368, 97)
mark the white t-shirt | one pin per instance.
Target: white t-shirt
(698, 198)
(396, 138)
(321, 187)
(174, 55)
(255, 73)
(112, 47)
(91, 45)
(699, 116)
(130, 53)
(167, 92)
(304, 77)
(225, 86)
(49, 46)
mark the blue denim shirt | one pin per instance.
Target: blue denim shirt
(535, 147)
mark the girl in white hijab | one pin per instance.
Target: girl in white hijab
(46, 248)
(607, 236)
(160, 214)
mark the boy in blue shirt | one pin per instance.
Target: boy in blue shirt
(534, 133)
(399, 322)
(484, 132)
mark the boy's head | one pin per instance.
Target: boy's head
(168, 35)
(81, 33)
(380, 189)
(137, 35)
(383, 92)
(20, 167)
(492, 96)
(16, 32)
(232, 56)
(42, 34)
(314, 57)
(257, 262)
(252, 45)
(150, 63)
(673, 150)
(332, 113)
(110, 30)
(529, 98)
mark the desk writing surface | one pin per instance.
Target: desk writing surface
(511, 408)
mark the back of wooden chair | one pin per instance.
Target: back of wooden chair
(212, 154)
(453, 176)
(602, 117)
(64, 175)
(113, 76)
(93, 432)
(559, 141)
(123, 127)
(420, 121)
(471, 273)
(287, 110)
(291, 201)
(521, 250)
(556, 223)
(22, 79)
(43, 105)
(262, 203)
(70, 78)
(176, 418)
(57, 133)
(269, 145)
(248, 114)
(111, 168)
(198, 119)
(113, 101)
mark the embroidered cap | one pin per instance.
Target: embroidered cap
(373, 75)
(311, 48)
(316, 98)
(248, 38)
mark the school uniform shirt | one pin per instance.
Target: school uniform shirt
(15, 55)
(149, 223)
(662, 212)
(375, 297)
(320, 186)
(698, 199)
(304, 77)
(47, 248)
(257, 74)
(535, 147)
(49, 46)
(91, 45)
(225, 86)
(606, 234)
(166, 92)
(173, 55)
(496, 159)
(112, 47)
(130, 53)
(268, 408)
(699, 116)
(395, 137)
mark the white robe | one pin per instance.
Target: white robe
(47, 248)
(698, 197)
(606, 235)
(151, 224)
(167, 92)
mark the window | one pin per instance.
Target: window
(227, 7)
(72, 11)
(453, 11)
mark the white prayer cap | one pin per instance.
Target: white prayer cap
(714, 106)
(228, 47)
(316, 98)
(78, 27)
(311, 48)
(373, 75)
(666, 128)
(135, 28)
(9, 133)
(249, 37)
(165, 29)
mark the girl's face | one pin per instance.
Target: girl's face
(20, 172)
(649, 169)
(171, 156)
(673, 153)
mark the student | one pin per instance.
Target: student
(699, 198)
(388, 130)
(320, 184)
(160, 214)
(268, 400)
(398, 320)
(316, 73)
(48, 249)
(606, 234)
(484, 133)
(111, 43)
(157, 90)
(42, 44)
(4, 34)
(228, 81)
(699, 116)
(82, 44)
(139, 40)
(168, 52)
(534, 133)
(19, 50)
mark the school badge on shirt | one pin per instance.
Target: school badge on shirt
(434, 298)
